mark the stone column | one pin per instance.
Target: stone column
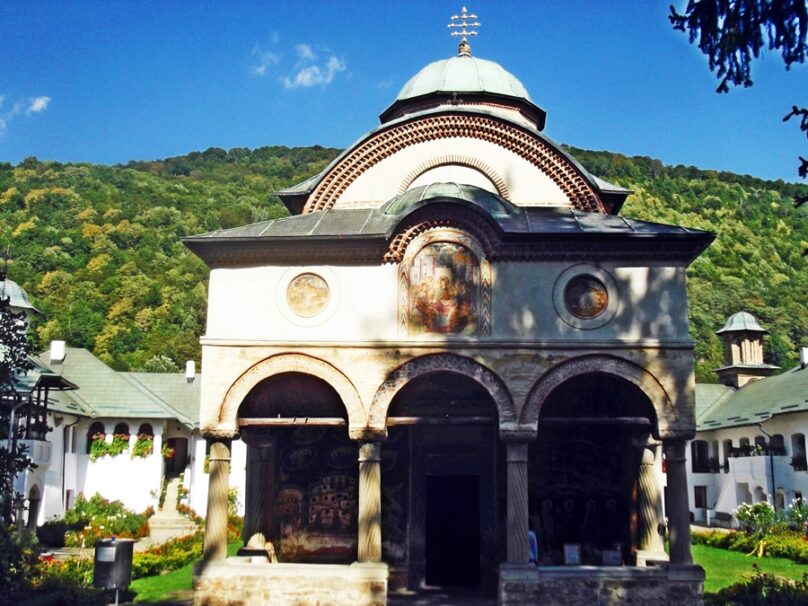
(258, 518)
(370, 502)
(649, 501)
(678, 511)
(518, 544)
(216, 520)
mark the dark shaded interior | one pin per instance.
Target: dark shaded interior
(583, 469)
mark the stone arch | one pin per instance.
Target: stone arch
(384, 143)
(283, 363)
(459, 160)
(452, 363)
(638, 376)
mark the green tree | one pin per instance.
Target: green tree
(13, 361)
(732, 34)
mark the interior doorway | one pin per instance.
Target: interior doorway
(453, 530)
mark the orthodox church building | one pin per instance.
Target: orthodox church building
(454, 340)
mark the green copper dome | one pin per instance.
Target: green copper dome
(19, 300)
(463, 74)
(741, 322)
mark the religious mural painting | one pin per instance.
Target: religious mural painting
(307, 295)
(445, 288)
(317, 500)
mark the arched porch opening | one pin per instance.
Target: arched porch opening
(302, 472)
(592, 498)
(442, 479)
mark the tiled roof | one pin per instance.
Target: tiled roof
(754, 402)
(104, 392)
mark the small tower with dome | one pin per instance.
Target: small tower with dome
(743, 351)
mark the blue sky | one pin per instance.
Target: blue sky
(113, 81)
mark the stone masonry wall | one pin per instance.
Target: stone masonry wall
(601, 587)
(242, 583)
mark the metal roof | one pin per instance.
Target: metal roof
(741, 322)
(19, 300)
(104, 392)
(463, 73)
(718, 406)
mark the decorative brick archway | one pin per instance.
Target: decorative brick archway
(609, 365)
(284, 363)
(383, 144)
(451, 363)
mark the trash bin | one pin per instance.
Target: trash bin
(113, 563)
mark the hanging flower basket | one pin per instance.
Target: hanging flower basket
(168, 452)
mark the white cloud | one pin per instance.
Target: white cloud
(305, 53)
(314, 75)
(34, 105)
(38, 104)
(262, 60)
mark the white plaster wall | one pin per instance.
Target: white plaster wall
(754, 471)
(528, 186)
(135, 482)
(198, 496)
(250, 304)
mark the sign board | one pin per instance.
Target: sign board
(572, 554)
(105, 554)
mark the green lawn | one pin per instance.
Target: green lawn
(723, 567)
(156, 589)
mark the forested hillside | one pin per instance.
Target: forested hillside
(97, 247)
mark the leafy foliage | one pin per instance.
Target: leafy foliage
(731, 33)
(97, 517)
(762, 589)
(99, 249)
(98, 246)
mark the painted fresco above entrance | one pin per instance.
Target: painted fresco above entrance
(444, 290)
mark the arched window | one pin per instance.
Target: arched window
(120, 439)
(778, 445)
(798, 461)
(144, 442)
(760, 445)
(743, 447)
(699, 450)
(95, 433)
(727, 454)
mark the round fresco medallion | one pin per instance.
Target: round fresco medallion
(307, 295)
(585, 296)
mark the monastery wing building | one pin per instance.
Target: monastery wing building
(454, 341)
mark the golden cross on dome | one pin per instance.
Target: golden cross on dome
(462, 26)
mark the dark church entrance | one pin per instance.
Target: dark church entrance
(453, 468)
(453, 531)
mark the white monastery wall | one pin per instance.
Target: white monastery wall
(250, 304)
(198, 497)
(725, 491)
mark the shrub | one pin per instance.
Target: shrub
(762, 589)
(757, 519)
(96, 517)
(143, 446)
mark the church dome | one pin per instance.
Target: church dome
(740, 322)
(19, 300)
(463, 74)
